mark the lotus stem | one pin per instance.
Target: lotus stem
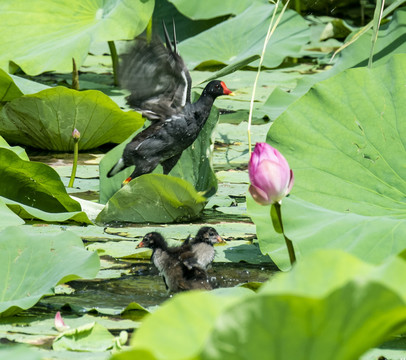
(271, 30)
(149, 30)
(114, 59)
(76, 137)
(289, 244)
(75, 75)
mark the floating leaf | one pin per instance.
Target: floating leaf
(88, 337)
(31, 265)
(154, 198)
(60, 31)
(47, 119)
(345, 143)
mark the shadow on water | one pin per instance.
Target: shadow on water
(146, 287)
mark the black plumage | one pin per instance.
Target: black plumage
(160, 87)
(177, 265)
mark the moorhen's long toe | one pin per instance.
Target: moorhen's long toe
(177, 265)
(160, 87)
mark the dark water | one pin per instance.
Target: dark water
(145, 286)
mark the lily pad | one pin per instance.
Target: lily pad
(46, 119)
(344, 142)
(32, 265)
(60, 31)
(153, 198)
(88, 337)
(8, 89)
(242, 37)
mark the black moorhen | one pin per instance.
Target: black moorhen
(202, 246)
(170, 261)
(160, 87)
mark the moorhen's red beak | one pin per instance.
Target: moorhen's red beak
(220, 240)
(126, 181)
(140, 245)
(226, 90)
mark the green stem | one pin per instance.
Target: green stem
(75, 162)
(114, 59)
(289, 244)
(149, 30)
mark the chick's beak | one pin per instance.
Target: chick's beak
(140, 245)
(220, 240)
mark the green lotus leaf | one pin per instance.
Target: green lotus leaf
(329, 298)
(154, 198)
(88, 337)
(8, 89)
(35, 190)
(194, 165)
(31, 265)
(242, 37)
(46, 119)
(344, 141)
(210, 9)
(390, 41)
(62, 30)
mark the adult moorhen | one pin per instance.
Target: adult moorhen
(202, 246)
(160, 87)
(171, 263)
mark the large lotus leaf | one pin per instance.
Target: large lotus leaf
(345, 143)
(391, 40)
(31, 265)
(242, 37)
(194, 165)
(211, 8)
(46, 119)
(8, 217)
(31, 185)
(8, 89)
(328, 299)
(17, 149)
(154, 198)
(61, 30)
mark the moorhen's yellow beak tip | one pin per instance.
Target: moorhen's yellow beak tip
(140, 245)
(220, 240)
(231, 94)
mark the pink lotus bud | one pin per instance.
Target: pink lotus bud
(76, 134)
(270, 175)
(59, 323)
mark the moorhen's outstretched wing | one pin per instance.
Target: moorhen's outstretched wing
(157, 77)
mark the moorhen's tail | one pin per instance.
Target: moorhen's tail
(117, 168)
